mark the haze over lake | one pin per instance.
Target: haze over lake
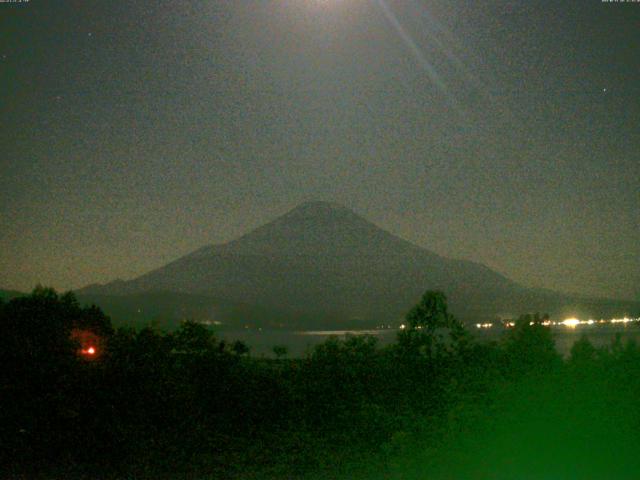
(299, 343)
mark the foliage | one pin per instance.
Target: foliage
(185, 404)
(529, 346)
(431, 330)
(280, 351)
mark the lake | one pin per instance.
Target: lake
(299, 343)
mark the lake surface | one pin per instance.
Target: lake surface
(299, 343)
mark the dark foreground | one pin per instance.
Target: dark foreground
(144, 404)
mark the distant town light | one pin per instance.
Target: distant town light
(484, 325)
(570, 322)
(621, 320)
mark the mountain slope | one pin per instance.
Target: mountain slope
(322, 265)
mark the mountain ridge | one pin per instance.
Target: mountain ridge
(322, 264)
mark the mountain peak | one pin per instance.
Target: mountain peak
(324, 215)
(318, 208)
(311, 228)
(320, 205)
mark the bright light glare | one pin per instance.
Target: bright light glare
(621, 320)
(571, 322)
(484, 325)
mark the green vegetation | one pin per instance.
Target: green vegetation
(435, 405)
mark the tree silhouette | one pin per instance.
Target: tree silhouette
(582, 352)
(239, 348)
(193, 337)
(530, 346)
(280, 351)
(430, 313)
(429, 323)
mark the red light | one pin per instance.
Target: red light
(88, 351)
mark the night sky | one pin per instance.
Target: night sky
(504, 132)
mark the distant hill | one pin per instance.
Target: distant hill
(9, 294)
(166, 309)
(322, 265)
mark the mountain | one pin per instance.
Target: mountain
(322, 265)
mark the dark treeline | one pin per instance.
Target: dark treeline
(435, 405)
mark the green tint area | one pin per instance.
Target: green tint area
(185, 404)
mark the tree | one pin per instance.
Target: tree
(240, 348)
(45, 387)
(36, 329)
(429, 323)
(280, 351)
(530, 346)
(583, 352)
(193, 337)
(430, 312)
